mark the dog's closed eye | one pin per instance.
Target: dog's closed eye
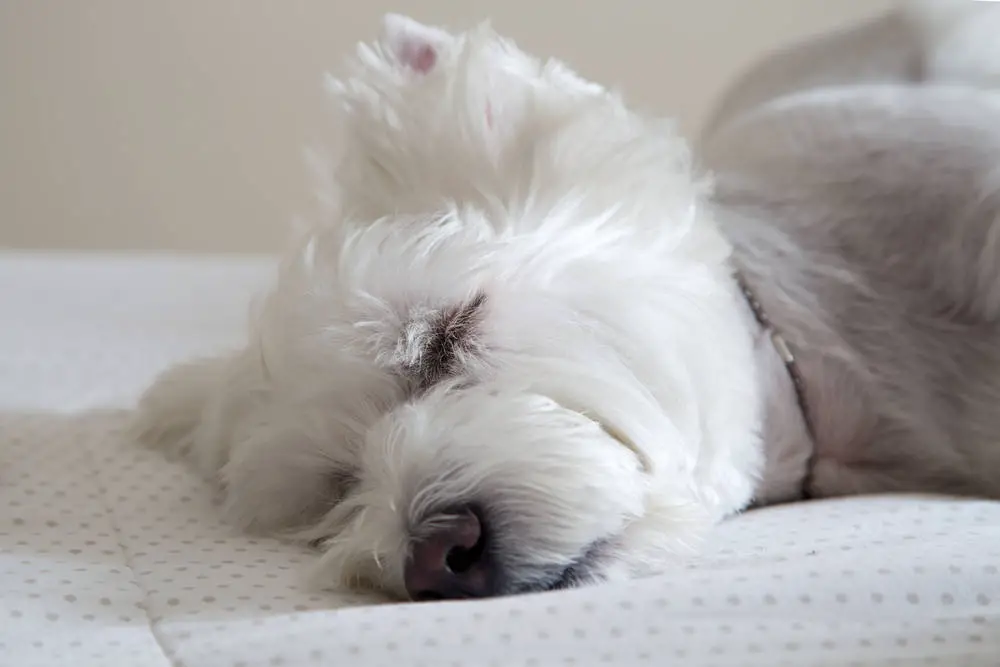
(436, 345)
(341, 481)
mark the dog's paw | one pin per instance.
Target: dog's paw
(171, 411)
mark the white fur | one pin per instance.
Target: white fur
(611, 398)
(517, 299)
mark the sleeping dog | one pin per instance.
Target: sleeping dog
(533, 343)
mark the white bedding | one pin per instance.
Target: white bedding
(110, 555)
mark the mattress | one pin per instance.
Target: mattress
(111, 555)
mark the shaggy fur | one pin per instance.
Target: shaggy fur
(522, 299)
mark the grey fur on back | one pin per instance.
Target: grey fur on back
(866, 216)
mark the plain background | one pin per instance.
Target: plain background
(179, 125)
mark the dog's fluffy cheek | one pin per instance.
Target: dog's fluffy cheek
(669, 531)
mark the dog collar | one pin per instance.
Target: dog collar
(784, 352)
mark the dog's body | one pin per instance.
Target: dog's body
(517, 356)
(874, 252)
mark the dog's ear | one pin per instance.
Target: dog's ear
(415, 45)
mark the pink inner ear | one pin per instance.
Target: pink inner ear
(489, 115)
(420, 57)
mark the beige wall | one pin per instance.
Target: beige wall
(179, 124)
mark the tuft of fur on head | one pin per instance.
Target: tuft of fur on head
(517, 302)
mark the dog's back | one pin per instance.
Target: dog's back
(868, 213)
(920, 41)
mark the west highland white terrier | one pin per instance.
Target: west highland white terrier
(530, 346)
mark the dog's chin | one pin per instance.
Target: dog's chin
(589, 568)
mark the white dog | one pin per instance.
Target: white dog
(530, 348)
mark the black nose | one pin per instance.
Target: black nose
(451, 561)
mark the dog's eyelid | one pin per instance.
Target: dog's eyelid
(645, 463)
(342, 480)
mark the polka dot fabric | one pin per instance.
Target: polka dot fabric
(111, 555)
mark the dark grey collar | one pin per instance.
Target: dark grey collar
(783, 350)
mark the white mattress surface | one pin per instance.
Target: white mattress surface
(110, 555)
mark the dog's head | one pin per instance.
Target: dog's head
(514, 360)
